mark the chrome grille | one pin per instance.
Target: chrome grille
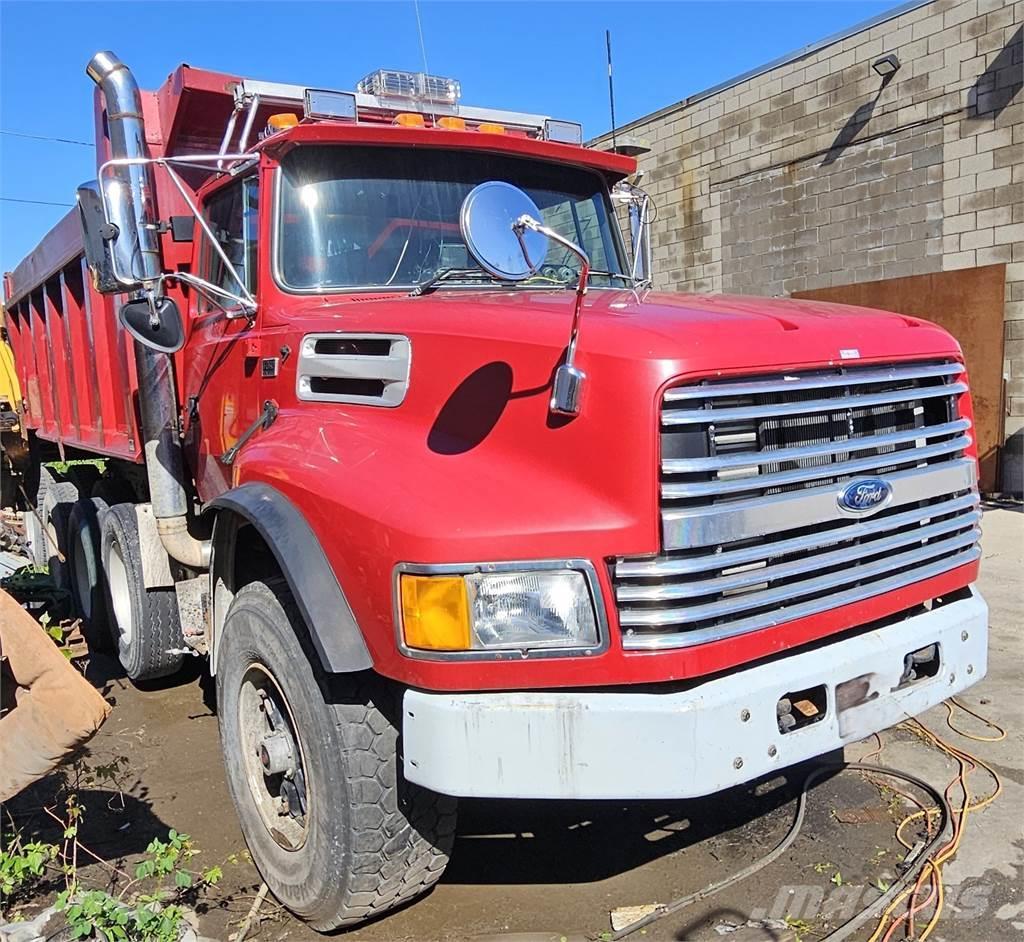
(751, 471)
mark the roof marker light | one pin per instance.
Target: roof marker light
(488, 128)
(279, 122)
(451, 124)
(409, 120)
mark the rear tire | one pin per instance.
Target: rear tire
(47, 526)
(144, 622)
(88, 587)
(362, 840)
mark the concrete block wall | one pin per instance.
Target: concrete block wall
(819, 173)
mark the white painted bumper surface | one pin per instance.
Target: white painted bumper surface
(555, 744)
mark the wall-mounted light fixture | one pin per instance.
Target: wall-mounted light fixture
(886, 66)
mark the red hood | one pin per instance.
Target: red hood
(693, 333)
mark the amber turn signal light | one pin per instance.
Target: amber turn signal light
(435, 612)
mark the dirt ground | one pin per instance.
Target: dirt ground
(540, 871)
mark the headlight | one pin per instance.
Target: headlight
(498, 610)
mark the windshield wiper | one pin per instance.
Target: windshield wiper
(610, 274)
(436, 279)
(526, 282)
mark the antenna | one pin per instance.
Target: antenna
(423, 50)
(611, 87)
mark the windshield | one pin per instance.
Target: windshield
(389, 217)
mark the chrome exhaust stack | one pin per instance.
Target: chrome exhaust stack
(127, 134)
(158, 406)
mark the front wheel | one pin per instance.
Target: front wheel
(313, 767)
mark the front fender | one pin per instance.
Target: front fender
(325, 609)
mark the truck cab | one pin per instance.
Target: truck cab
(458, 506)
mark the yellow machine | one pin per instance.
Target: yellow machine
(12, 446)
(10, 391)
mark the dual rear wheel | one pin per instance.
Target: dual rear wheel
(90, 545)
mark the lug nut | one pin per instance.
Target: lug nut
(744, 715)
(952, 678)
(964, 636)
(737, 763)
(772, 751)
(970, 668)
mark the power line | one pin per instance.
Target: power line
(42, 137)
(12, 199)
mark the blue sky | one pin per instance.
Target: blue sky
(546, 57)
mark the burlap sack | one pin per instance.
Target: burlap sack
(51, 707)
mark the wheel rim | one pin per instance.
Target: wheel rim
(83, 586)
(35, 537)
(120, 593)
(272, 758)
(50, 545)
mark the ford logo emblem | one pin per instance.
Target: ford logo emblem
(865, 496)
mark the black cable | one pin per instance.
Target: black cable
(42, 137)
(12, 199)
(794, 829)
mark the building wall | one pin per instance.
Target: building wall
(817, 173)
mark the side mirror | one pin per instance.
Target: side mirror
(97, 236)
(487, 221)
(155, 323)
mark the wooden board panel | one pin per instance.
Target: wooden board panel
(969, 303)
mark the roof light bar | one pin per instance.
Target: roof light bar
(391, 83)
(563, 132)
(320, 103)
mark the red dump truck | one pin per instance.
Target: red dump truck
(395, 432)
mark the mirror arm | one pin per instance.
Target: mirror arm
(165, 162)
(568, 385)
(212, 291)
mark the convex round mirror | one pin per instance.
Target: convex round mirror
(166, 334)
(488, 215)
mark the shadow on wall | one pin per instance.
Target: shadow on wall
(854, 125)
(999, 83)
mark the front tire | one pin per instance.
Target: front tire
(350, 839)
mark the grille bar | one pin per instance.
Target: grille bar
(764, 574)
(755, 528)
(791, 384)
(809, 452)
(712, 524)
(813, 473)
(838, 404)
(683, 639)
(678, 616)
(666, 567)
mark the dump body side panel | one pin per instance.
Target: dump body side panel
(74, 360)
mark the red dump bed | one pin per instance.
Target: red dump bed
(73, 358)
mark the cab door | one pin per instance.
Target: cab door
(221, 381)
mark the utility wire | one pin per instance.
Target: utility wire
(42, 137)
(12, 199)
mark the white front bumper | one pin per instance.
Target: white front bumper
(715, 734)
